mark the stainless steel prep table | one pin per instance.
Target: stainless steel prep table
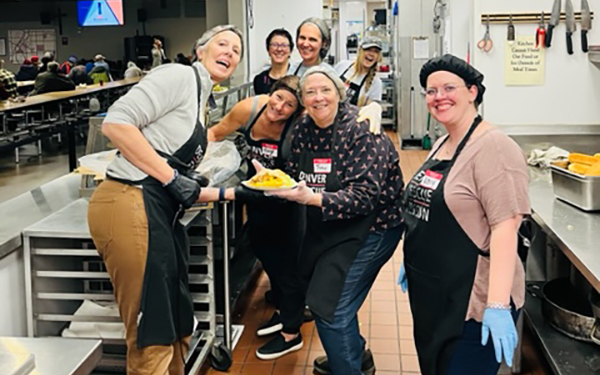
(57, 356)
(576, 233)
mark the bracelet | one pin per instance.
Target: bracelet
(175, 174)
(497, 306)
(221, 194)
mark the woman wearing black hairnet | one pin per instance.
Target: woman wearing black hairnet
(463, 208)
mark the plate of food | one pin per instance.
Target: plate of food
(269, 180)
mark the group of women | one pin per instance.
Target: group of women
(323, 243)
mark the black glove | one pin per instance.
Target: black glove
(245, 195)
(201, 180)
(184, 189)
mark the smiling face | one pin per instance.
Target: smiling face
(448, 98)
(279, 49)
(370, 57)
(309, 44)
(221, 55)
(282, 105)
(321, 99)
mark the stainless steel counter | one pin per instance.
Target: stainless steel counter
(54, 355)
(576, 232)
(33, 206)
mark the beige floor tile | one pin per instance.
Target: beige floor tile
(408, 347)
(384, 346)
(410, 363)
(383, 332)
(384, 318)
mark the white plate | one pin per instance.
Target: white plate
(268, 188)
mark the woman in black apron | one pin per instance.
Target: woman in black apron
(280, 46)
(443, 263)
(272, 229)
(350, 182)
(360, 76)
(134, 215)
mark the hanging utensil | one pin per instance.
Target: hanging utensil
(486, 43)
(554, 19)
(586, 24)
(510, 32)
(540, 33)
(571, 27)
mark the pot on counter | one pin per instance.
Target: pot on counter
(568, 312)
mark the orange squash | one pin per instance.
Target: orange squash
(594, 170)
(578, 168)
(584, 159)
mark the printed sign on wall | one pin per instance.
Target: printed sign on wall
(524, 62)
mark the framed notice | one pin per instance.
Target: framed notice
(2, 46)
(524, 63)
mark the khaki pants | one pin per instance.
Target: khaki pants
(119, 227)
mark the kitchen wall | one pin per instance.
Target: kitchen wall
(571, 93)
(180, 22)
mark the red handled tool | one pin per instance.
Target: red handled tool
(540, 33)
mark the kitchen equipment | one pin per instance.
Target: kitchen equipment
(486, 43)
(510, 31)
(566, 311)
(554, 19)
(580, 191)
(540, 33)
(586, 24)
(571, 27)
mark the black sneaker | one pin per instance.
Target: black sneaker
(321, 364)
(274, 325)
(307, 315)
(278, 347)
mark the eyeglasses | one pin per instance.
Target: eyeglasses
(279, 45)
(432, 92)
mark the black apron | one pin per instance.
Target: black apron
(331, 246)
(166, 307)
(352, 89)
(440, 261)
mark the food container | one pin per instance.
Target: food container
(580, 191)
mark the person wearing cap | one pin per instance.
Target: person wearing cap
(100, 71)
(47, 58)
(313, 39)
(462, 210)
(9, 83)
(351, 184)
(159, 128)
(27, 71)
(65, 67)
(272, 230)
(52, 80)
(35, 60)
(158, 53)
(362, 84)
(100, 60)
(280, 46)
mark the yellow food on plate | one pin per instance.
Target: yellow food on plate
(576, 158)
(594, 170)
(271, 178)
(578, 168)
(597, 155)
(561, 163)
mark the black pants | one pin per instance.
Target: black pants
(275, 232)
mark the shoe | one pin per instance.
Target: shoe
(274, 325)
(321, 364)
(308, 316)
(278, 347)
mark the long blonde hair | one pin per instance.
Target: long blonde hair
(359, 70)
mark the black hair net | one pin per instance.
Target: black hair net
(453, 64)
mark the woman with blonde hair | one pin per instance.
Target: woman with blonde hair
(360, 76)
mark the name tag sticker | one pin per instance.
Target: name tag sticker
(322, 165)
(269, 150)
(431, 180)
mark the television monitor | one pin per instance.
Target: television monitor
(100, 12)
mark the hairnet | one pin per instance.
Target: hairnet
(209, 34)
(453, 64)
(329, 73)
(323, 29)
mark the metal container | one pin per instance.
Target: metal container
(580, 191)
(566, 311)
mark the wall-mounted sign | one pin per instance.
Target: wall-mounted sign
(524, 62)
(421, 48)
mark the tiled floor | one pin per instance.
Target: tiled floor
(385, 321)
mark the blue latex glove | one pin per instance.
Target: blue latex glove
(501, 325)
(402, 279)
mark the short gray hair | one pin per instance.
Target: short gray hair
(210, 34)
(53, 66)
(329, 73)
(323, 29)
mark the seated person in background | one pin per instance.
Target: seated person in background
(65, 67)
(7, 78)
(279, 46)
(52, 81)
(47, 58)
(100, 60)
(101, 71)
(182, 59)
(27, 71)
(132, 70)
(78, 75)
(35, 60)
